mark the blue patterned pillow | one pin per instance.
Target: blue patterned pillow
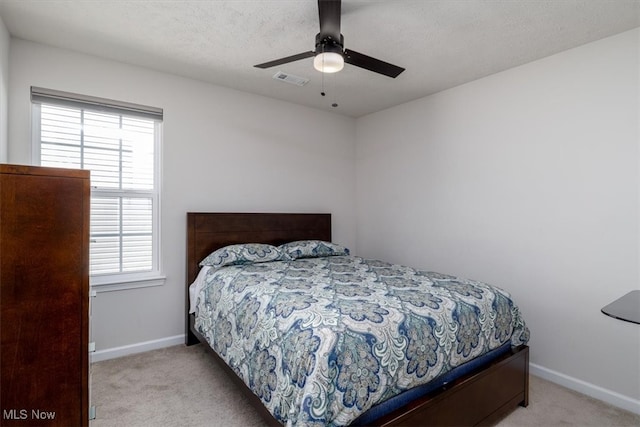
(312, 249)
(246, 253)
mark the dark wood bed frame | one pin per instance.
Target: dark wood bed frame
(481, 397)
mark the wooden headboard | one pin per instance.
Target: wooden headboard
(207, 232)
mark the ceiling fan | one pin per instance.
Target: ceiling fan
(330, 55)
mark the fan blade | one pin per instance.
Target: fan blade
(286, 60)
(329, 12)
(371, 64)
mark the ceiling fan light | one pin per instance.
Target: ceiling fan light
(328, 62)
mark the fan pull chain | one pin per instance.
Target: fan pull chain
(322, 93)
(334, 104)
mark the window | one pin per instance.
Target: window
(119, 143)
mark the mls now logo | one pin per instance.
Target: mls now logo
(23, 414)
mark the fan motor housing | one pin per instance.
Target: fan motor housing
(329, 44)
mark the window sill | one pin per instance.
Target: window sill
(127, 284)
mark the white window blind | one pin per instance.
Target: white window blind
(120, 148)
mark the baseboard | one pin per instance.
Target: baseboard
(611, 397)
(112, 353)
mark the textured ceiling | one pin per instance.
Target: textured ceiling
(441, 43)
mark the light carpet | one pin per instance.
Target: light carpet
(184, 386)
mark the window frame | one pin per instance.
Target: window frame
(122, 280)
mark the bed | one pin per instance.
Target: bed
(478, 388)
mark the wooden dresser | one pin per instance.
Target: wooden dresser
(44, 296)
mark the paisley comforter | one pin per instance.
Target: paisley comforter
(321, 340)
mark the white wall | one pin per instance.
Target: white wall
(4, 85)
(527, 179)
(223, 150)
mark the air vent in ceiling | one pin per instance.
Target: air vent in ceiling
(290, 78)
